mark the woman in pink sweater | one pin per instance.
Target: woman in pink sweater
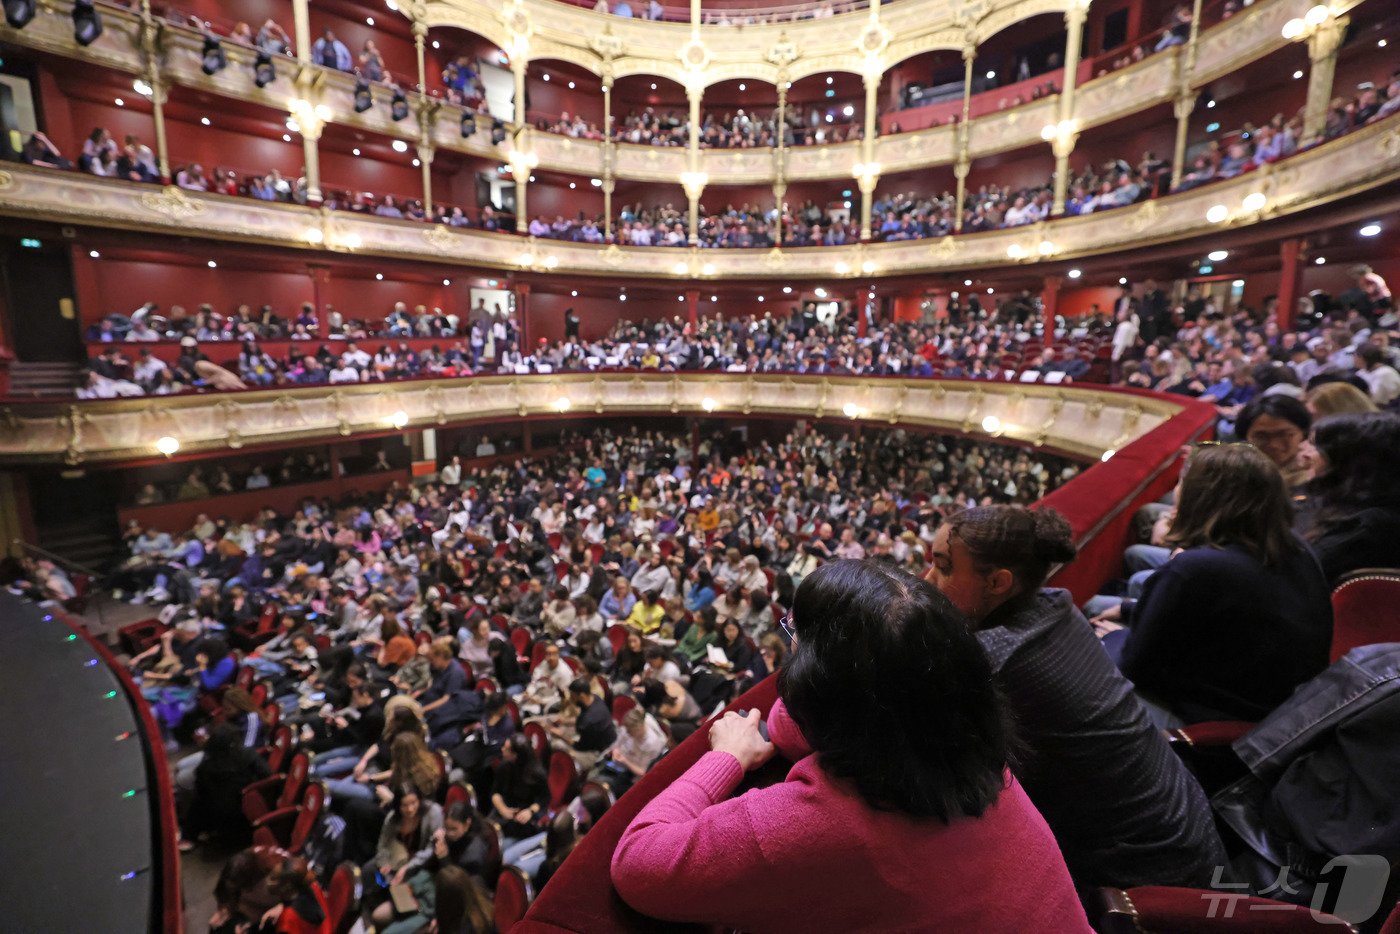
(898, 814)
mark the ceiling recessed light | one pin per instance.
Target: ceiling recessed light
(213, 265)
(532, 178)
(286, 138)
(354, 152)
(573, 293)
(787, 290)
(1075, 273)
(369, 20)
(1297, 74)
(1218, 256)
(400, 146)
(379, 276)
(680, 298)
(204, 120)
(1382, 44)
(743, 87)
(94, 254)
(436, 44)
(120, 103)
(1320, 261)
(416, 163)
(991, 75)
(1210, 105)
(1370, 230)
(1254, 201)
(760, 298)
(572, 186)
(1237, 284)
(622, 298)
(967, 282)
(1122, 280)
(546, 76)
(1217, 213)
(989, 290)
(829, 79)
(653, 86)
(446, 281)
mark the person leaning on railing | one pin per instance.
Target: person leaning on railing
(898, 813)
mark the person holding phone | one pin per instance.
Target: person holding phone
(405, 846)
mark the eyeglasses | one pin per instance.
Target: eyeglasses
(786, 623)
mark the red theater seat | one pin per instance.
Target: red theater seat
(1365, 610)
(277, 791)
(291, 827)
(343, 898)
(513, 896)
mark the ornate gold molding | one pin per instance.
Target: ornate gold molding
(1342, 167)
(1081, 421)
(615, 46)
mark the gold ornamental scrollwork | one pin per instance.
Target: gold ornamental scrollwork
(7, 181)
(441, 239)
(171, 202)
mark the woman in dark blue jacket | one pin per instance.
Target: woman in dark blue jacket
(1241, 614)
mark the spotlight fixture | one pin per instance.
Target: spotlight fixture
(398, 106)
(213, 58)
(87, 25)
(18, 13)
(364, 100)
(468, 124)
(264, 72)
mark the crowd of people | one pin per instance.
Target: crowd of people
(1254, 146)
(973, 340)
(643, 569)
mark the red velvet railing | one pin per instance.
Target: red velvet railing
(1099, 504)
(168, 914)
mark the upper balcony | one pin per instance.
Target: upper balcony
(1362, 160)
(615, 47)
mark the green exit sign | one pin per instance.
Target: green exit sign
(31, 243)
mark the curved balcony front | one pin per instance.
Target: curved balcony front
(1362, 160)
(1082, 422)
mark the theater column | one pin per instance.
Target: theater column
(867, 172)
(609, 154)
(310, 119)
(522, 311)
(521, 157)
(693, 180)
(866, 298)
(692, 309)
(1049, 307)
(150, 48)
(1182, 107)
(1323, 43)
(1066, 131)
(963, 164)
(1290, 283)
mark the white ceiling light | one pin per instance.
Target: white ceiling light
(94, 254)
(213, 265)
(546, 76)
(400, 146)
(119, 102)
(991, 75)
(991, 424)
(1075, 273)
(820, 293)
(742, 86)
(1370, 230)
(446, 281)
(369, 20)
(379, 276)
(1254, 201)
(571, 85)
(787, 290)
(204, 120)
(967, 282)
(1107, 455)
(354, 152)
(1122, 280)
(573, 293)
(167, 445)
(1218, 256)
(1237, 284)
(1320, 261)
(1217, 213)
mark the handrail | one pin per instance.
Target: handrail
(65, 563)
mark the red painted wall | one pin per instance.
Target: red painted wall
(1075, 302)
(241, 507)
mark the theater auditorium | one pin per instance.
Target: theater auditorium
(766, 466)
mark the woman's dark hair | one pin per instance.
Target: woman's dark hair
(891, 688)
(460, 906)
(758, 601)
(1361, 451)
(1279, 406)
(494, 701)
(464, 813)
(1027, 542)
(404, 790)
(704, 578)
(1232, 494)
